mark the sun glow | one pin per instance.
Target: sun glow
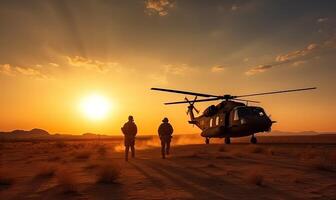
(95, 107)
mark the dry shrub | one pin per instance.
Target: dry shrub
(332, 157)
(255, 177)
(271, 151)
(322, 165)
(54, 158)
(224, 157)
(257, 149)
(308, 155)
(60, 144)
(237, 153)
(108, 173)
(67, 181)
(46, 171)
(83, 155)
(6, 178)
(222, 149)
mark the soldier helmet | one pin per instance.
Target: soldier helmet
(165, 119)
(130, 118)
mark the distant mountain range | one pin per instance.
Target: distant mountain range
(40, 134)
(34, 133)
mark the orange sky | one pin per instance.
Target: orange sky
(52, 59)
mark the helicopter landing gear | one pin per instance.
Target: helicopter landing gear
(227, 140)
(253, 140)
(207, 140)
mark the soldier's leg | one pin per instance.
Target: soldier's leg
(133, 151)
(163, 149)
(168, 147)
(126, 152)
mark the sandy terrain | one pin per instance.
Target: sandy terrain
(97, 170)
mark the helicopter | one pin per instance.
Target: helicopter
(231, 118)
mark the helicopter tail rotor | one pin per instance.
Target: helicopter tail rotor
(191, 106)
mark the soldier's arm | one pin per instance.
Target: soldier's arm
(135, 129)
(123, 129)
(159, 130)
(171, 129)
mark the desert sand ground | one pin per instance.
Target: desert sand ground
(97, 170)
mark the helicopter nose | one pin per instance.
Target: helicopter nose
(258, 125)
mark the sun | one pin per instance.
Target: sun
(95, 107)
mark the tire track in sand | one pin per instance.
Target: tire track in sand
(199, 187)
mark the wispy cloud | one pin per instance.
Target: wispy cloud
(297, 57)
(54, 64)
(159, 7)
(321, 20)
(218, 68)
(34, 72)
(258, 69)
(180, 70)
(91, 63)
(169, 71)
(298, 53)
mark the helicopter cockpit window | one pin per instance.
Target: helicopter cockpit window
(250, 111)
(235, 115)
(217, 120)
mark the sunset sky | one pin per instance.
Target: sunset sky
(54, 54)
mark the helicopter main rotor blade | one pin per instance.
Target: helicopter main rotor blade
(199, 100)
(185, 92)
(276, 92)
(247, 100)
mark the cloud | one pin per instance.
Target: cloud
(321, 20)
(258, 69)
(54, 64)
(297, 57)
(159, 7)
(159, 79)
(180, 70)
(218, 68)
(298, 53)
(234, 7)
(169, 71)
(90, 63)
(300, 62)
(10, 70)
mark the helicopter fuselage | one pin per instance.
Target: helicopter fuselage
(232, 119)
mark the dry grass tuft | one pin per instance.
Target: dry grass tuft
(67, 181)
(91, 165)
(83, 155)
(222, 149)
(46, 171)
(108, 173)
(332, 157)
(255, 177)
(5, 178)
(271, 151)
(224, 157)
(211, 165)
(101, 150)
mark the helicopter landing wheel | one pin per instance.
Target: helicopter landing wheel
(227, 140)
(207, 140)
(253, 140)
